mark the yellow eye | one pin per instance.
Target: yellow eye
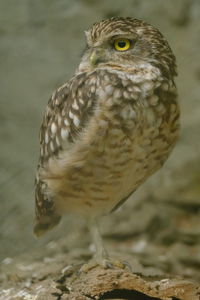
(122, 44)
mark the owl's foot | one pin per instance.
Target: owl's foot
(105, 263)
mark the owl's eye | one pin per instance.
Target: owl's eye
(122, 44)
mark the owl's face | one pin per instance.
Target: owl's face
(124, 44)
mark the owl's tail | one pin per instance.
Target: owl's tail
(46, 216)
(45, 224)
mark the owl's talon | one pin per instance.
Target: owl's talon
(127, 265)
(108, 265)
(105, 264)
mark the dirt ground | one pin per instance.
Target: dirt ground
(159, 226)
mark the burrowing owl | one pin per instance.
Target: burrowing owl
(111, 126)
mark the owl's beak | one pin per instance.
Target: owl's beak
(92, 59)
(96, 57)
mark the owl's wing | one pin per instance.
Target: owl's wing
(67, 113)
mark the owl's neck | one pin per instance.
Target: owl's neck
(138, 73)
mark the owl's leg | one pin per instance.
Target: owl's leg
(101, 257)
(101, 252)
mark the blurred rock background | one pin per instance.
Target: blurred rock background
(40, 47)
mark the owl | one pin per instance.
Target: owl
(110, 127)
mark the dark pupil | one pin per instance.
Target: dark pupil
(121, 44)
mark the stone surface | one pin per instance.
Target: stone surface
(29, 277)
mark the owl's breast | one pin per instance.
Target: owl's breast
(129, 136)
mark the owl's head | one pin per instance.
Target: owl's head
(125, 43)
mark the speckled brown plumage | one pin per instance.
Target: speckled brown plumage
(110, 127)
